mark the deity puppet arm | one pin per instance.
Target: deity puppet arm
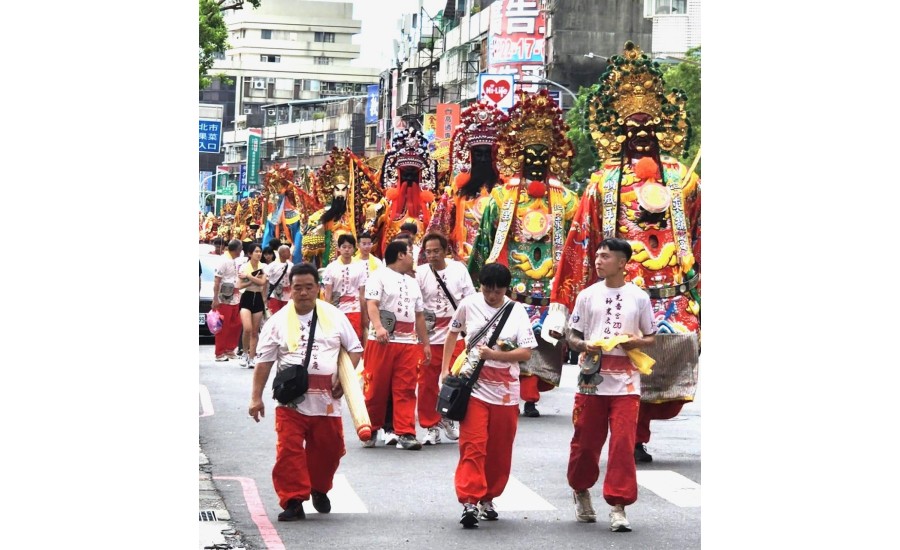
(481, 249)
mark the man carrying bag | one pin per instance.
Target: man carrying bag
(493, 409)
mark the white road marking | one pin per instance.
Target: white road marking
(519, 498)
(344, 499)
(671, 486)
(205, 402)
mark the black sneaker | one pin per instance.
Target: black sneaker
(469, 516)
(293, 512)
(531, 410)
(486, 511)
(320, 502)
(409, 443)
(641, 454)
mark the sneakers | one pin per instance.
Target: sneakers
(293, 512)
(409, 443)
(584, 510)
(390, 438)
(251, 363)
(220, 358)
(432, 436)
(641, 454)
(320, 502)
(450, 429)
(531, 410)
(231, 355)
(245, 360)
(368, 444)
(486, 511)
(469, 516)
(617, 520)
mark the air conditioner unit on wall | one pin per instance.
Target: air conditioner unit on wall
(259, 84)
(271, 112)
(248, 111)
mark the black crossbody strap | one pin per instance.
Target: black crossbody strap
(480, 334)
(273, 287)
(312, 335)
(444, 287)
(506, 311)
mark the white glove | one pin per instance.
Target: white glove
(556, 321)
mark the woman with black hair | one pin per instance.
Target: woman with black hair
(251, 281)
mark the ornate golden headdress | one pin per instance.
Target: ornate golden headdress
(479, 124)
(356, 174)
(409, 148)
(337, 167)
(631, 84)
(535, 120)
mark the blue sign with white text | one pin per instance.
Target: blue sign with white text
(210, 135)
(372, 104)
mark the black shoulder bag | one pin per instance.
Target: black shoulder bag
(446, 293)
(293, 381)
(453, 399)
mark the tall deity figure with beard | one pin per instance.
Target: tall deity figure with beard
(408, 179)
(645, 196)
(345, 184)
(473, 175)
(524, 224)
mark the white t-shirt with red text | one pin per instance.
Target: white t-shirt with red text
(346, 280)
(498, 382)
(322, 368)
(458, 281)
(602, 312)
(399, 294)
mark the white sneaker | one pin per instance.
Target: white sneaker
(450, 429)
(251, 363)
(245, 359)
(617, 520)
(389, 438)
(369, 443)
(584, 510)
(432, 436)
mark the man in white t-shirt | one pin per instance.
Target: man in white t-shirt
(457, 281)
(609, 389)
(228, 307)
(393, 353)
(493, 410)
(364, 254)
(310, 434)
(345, 284)
(278, 283)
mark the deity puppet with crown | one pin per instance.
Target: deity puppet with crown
(644, 195)
(285, 205)
(346, 186)
(408, 178)
(524, 224)
(473, 175)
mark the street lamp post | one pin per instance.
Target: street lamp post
(539, 79)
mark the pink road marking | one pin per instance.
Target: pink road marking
(258, 512)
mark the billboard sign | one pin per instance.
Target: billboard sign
(254, 139)
(516, 40)
(497, 89)
(210, 135)
(372, 99)
(447, 119)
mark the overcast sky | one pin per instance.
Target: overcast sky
(379, 24)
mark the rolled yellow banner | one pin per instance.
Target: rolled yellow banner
(353, 396)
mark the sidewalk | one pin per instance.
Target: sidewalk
(216, 530)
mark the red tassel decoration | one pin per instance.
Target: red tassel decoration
(646, 169)
(461, 180)
(536, 189)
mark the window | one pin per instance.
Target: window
(323, 60)
(270, 58)
(324, 36)
(266, 34)
(664, 7)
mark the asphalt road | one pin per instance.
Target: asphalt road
(387, 498)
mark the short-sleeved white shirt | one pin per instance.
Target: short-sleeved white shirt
(498, 382)
(228, 271)
(322, 368)
(458, 282)
(602, 312)
(399, 294)
(345, 281)
(274, 271)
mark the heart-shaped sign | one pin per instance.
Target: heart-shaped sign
(495, 90)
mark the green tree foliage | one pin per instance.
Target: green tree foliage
(686, 76)
(213, 33)
(585, 161)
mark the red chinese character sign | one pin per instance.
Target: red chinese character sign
(447, 119)
(516, 41)
(497, 89)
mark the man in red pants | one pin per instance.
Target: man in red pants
(609, 387)
(455, 278)
(393, 353)
(310, 434)
(227, 306)
(345, 284)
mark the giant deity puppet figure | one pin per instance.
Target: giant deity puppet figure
(524, 224)
(285, 206)
(473, 176)
(346, 186)
(408, 179)
(645, 196)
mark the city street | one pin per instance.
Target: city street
(385, 497)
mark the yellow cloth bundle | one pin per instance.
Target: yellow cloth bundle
(641, 361)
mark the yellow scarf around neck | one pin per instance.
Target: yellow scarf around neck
(293, 324)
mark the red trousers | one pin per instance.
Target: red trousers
(594, 416)
(275, 304)
(486, 437)
(227, 338)
(308, 452)
(356, 320)
(390, 369)
(655, 411)
(528, 388)
(430, 386)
